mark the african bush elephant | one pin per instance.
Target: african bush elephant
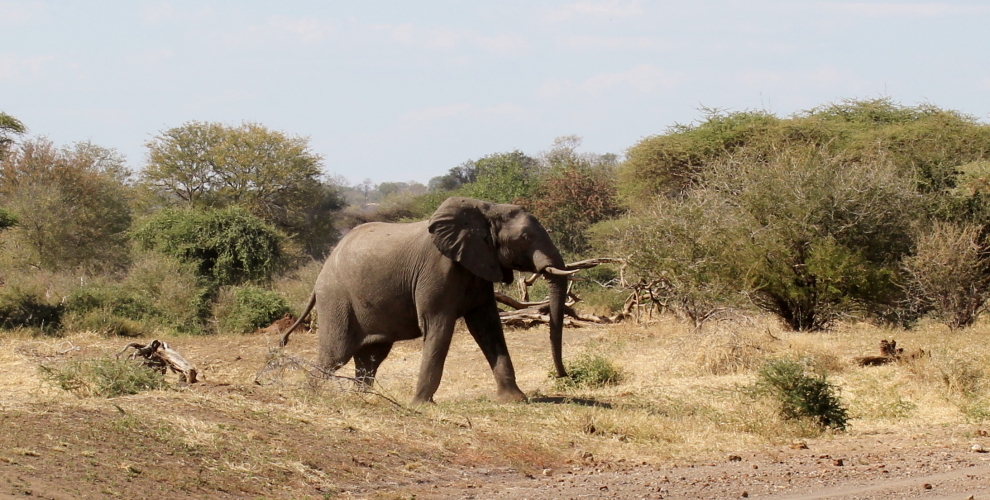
(389, 282)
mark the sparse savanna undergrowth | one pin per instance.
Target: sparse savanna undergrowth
(661, 393)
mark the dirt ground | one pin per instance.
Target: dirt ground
(228, 437)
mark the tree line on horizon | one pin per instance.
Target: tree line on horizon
(859, 208)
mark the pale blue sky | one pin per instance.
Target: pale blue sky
(402, 90)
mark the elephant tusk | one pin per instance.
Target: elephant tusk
(557, 272)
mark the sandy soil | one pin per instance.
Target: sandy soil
(227, 437)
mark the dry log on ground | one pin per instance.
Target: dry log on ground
(889, 353)
(160, 356)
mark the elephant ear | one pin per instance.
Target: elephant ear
(462, 232)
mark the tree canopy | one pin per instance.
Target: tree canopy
(70, 204)
(275, 176)
(9, 126)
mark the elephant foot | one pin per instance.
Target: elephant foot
(417, 401)
(513, 395)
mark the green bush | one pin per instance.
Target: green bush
(802, 233)
(103, 377)
(949, 274)
(227, 247)
(801, 395)
(692, 245)
(21, 308)
(113, 298)
(181, 301)
(588, 371)
(244, 309)
(7, 219)
(157, 294)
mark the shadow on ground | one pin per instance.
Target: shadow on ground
(561, 400)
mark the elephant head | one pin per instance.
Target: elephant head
(493, 240)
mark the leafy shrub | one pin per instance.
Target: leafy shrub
(691, 245)
(112, 298)
(801, 395)
(158, 294)
(181, 302)
(949, 274)
(71, 203)
(803, 233)
(102, 377)
(588, 371)
(244, 309)
(7, 220)
(228, 246)
(24, 308)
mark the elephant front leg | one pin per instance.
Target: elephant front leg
(486, 328)
(436, 343)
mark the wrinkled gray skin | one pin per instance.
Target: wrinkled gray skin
(389, 282)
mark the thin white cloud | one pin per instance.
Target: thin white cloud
(307, 29)
(13, 67)
(823, 78)
(445, 38)
(12, 12)
(160, 12)
(589, 8)
(157, 12)
(460, 111)
(888, 9)
(507, 110)
(433, 114)
(613, 43)
(501, 43)
(436, 38)
(153, 57)
(644, 78)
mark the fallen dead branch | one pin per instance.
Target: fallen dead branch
(889, 353)
(278, 364)
(527, 314)
(160, 356)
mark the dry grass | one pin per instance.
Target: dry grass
(681, 400)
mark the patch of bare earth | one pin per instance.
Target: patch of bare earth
(677, 426)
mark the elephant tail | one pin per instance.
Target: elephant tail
(309, 308)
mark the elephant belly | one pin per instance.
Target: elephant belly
(382, 320)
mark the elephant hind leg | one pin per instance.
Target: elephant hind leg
(367, 359)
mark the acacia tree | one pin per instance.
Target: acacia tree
(70, 204)
(9, 126)
(274, 175)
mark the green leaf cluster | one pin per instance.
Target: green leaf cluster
(246, 308)
(227, 247)
(800, 394)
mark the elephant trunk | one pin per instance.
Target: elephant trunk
(558, 294)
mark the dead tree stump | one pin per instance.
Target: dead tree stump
(160, 356)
